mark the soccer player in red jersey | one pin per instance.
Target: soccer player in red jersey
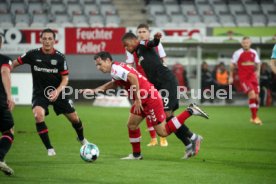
(247, 61)
(146, 101)
(143, 33)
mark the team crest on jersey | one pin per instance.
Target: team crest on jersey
(38, 60)
(53, 62)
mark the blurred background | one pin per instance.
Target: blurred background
(199, 38)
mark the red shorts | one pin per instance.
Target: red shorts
(250, 84)
(153, 109)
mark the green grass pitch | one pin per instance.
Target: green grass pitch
(233, 150)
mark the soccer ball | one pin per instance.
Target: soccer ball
(89, 152)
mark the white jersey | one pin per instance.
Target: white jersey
(161, 52)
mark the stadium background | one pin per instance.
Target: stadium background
(193, 31)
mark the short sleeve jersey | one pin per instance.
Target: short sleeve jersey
(4, 62)
(133, 58)
(47, 69)
(245, 60)
(119, 73)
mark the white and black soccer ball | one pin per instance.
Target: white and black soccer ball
(89, 152)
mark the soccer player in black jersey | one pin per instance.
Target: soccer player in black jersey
(163, 79)
(6, 105)
(50, 76)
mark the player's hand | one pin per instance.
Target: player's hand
(53, 95)
(86, 91)
(138, 106)
(10, 103)
(230, 80)
(157, 36)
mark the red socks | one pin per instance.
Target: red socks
(176, 122)
(135, 139)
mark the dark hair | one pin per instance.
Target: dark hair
(103, 55)
(143, 26)
(48, 30)
(129, 36)
(246, 38)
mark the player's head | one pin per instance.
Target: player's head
(130, 42)
(47, 38)
(143, 32)
(103, 61)
(246, 43)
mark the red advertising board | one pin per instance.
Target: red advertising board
(93, 40)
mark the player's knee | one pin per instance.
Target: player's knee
(39, 114)
(132, 126)
(74, 118)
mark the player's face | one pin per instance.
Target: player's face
(102, 65)
(47, 41)
(143, 34)
(246, 44)
(130, 45)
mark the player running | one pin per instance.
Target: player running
(132, 60)
(147, 102)
(6, 106)
(50, 76)
(162, 78)
(247, 61)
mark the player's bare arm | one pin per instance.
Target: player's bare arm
(54, 94)
(136, 91)
(232, 67)
(258, 70)
(15, 64)
(6, 80)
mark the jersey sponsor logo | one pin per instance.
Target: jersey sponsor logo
(53, 62)
(45, 70)
(38, 60)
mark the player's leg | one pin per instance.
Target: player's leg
(77, 125)
(165, 129)
(6, 124)
(42, 129)
(66, 107)
(191, 140)
(253, 105)
(153, 141)
(134, 136)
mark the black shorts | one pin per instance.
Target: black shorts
(61, 106)
(6, 119)
(168, 90)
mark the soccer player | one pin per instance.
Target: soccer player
(147, 101)
(143, 33)
(50, 76)
(6, 106)
(247, 61)
(163, 79)
(273, 60)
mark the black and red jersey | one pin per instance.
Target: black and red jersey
(4, 61)
(47, 69)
